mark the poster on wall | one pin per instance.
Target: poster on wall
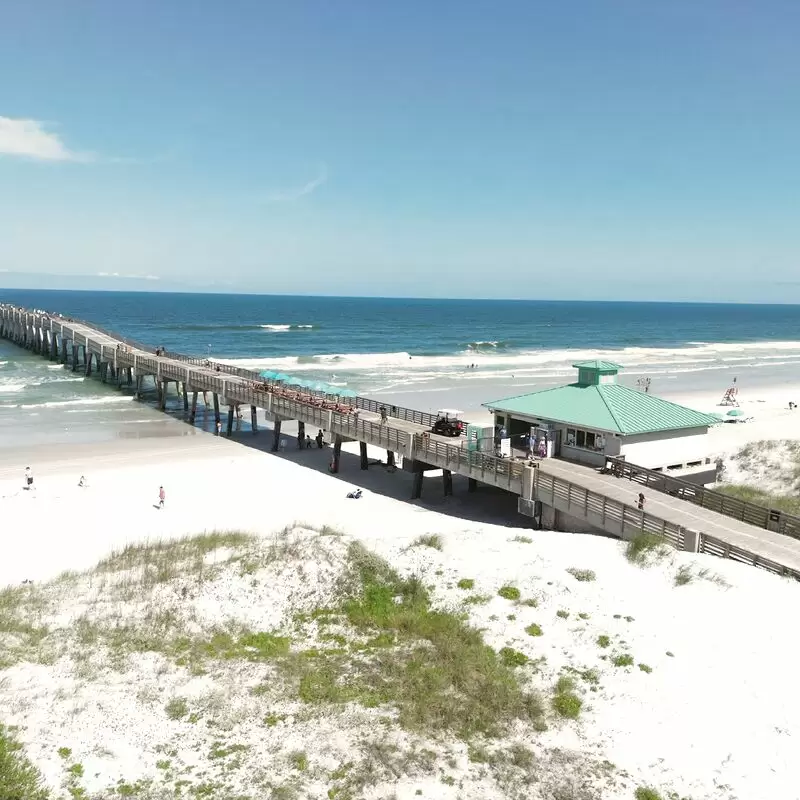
(505, 448)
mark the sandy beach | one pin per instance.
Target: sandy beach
(669, 724)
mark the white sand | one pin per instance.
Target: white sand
(718, 719)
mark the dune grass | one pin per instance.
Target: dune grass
(646, 549)
(790, 504)
(19, 778)
(437, 671)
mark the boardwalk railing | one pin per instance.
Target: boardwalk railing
(610, 515)
(607, 513)
(751, 513)
(456, 458)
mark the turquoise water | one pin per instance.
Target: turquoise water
(420, 349)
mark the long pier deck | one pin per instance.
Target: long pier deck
(599, 501)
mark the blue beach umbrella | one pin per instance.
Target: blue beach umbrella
(346, 393)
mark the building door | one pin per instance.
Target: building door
(557, 442)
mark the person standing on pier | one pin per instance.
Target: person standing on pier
(640, 502)
(384, 415)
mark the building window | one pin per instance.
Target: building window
(586, 440)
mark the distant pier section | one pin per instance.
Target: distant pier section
(555, 493)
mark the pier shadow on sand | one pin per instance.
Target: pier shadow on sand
(488, 504)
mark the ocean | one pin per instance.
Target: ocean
(424, 353)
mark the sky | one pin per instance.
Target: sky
(606, 149)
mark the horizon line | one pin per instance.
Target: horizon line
(395, 297)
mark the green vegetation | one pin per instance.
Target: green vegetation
(19, 778)
(440, 676)
(583, 575)
(532, 602)
(566, 703)
(534, 630)
(523, 539)
(646, 793)
(622, 660)
(563, 614)
(466, 583)
(477, 599)
(299, 760)
(509, 592)
(683, 575)
(645, 668)
(428, 540)
(512, 657)
(177, 708)
(646, 549)
(789, 504)
(583, 615)
(603, 640)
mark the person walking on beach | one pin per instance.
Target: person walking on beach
(320, 438)
(640, 502)
(28, 478)
(219, 426)
(162, 496)
(308, 442)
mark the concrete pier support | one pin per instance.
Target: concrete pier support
(447, 482)
(63, 350)
(163, 394)
(301, 435)
(53, 346)
(87, 359)
(185, 397)
(276, 437)
(216, 407)
(103, 371)
(472, 485)
(193, 411)
(416, 486)
(74, 358)
(138, 392)
(254, 419)
(130, 375)
(231, 412)
(390, 459)
(337, 454)
(362, 446)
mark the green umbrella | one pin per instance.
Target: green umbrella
(735, 412)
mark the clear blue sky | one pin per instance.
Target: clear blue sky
(606, 148)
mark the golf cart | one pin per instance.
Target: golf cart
(448, 423)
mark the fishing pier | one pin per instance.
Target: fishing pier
(556, 494)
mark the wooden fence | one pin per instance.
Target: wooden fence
(610, 514)
(751, 513)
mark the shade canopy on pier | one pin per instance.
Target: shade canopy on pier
(308, 384)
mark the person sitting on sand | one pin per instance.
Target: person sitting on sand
(356, 495)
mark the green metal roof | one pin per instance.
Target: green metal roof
(607, 407)
(600, 366)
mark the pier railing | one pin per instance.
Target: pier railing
(575, 499)
(454, 457)
(768, 518)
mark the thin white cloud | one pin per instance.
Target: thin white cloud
(128, 277)
(288, 195)
(28, 138)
